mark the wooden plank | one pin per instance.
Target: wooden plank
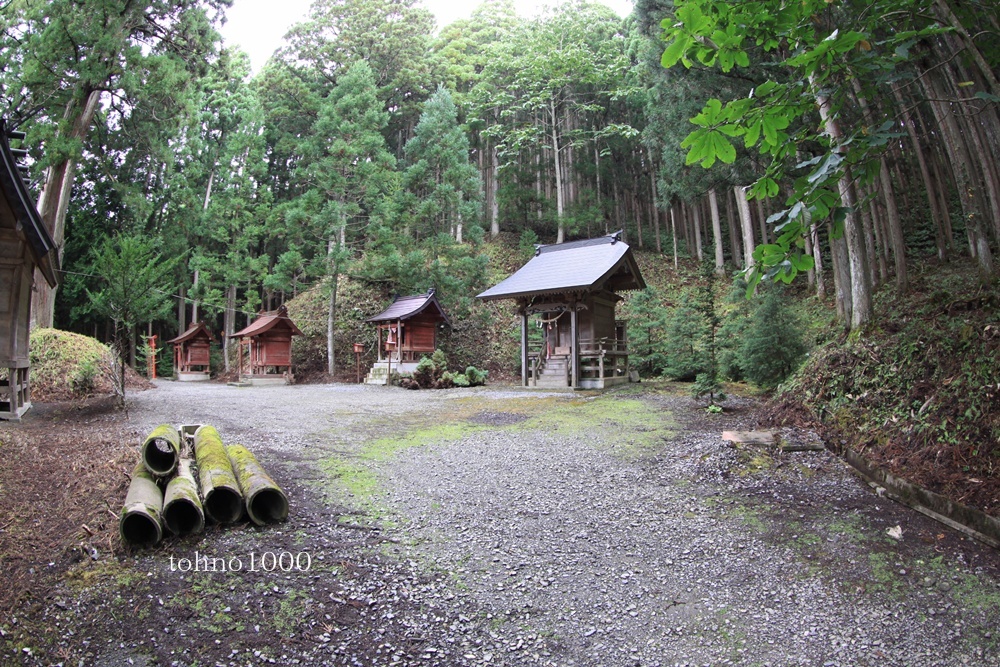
(750, 437)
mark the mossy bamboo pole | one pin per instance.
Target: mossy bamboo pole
(219, 489)
(266, 502)
(182, 510)
(139, 523)
(162, 450)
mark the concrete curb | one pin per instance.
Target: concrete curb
(968, 520)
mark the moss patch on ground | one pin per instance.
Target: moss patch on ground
(628, 427)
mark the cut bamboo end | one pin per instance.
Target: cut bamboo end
(139, 524)
(183, 513)
(266, 502)
(220, 492)
(162, 450)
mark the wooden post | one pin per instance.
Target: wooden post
(152, 357)
(574, 335)
(524, 347)
(388, 371)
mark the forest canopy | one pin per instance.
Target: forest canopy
(838, 139)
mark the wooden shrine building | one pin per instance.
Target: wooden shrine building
(191, 353)
(265, 348)
(570, 291)
(25, 244)
(407, 330)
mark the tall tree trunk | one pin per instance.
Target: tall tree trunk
(331, 307)
(841, 275)
(697, 231)
(963, 172)
(656, 210)
(597, 178)
(673, 234)
(637, 214)
(746, 224)
(895, 230)
(818, 257)
(228, 323)
(860, 277)
(979, 149)
(53, 202)
(182, 311)
(713, 204)
(762, 221)
(932, 204)
(194, 302)
(869, 224)
(495, 203)
(940, 175)
(734, 236)
(561, 233)
(949, 18)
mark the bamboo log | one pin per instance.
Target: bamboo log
(182, 510)
(140, 518)
(161, 450)
(220, 491)
(266, 502)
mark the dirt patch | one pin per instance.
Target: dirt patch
(497, 418)
(62, 471)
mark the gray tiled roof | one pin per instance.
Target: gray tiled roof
(574, 266)
(405, 307)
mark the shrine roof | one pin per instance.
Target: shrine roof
(267, 321)
(588, 265)
(405, 307)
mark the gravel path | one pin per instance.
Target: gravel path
(503, 527)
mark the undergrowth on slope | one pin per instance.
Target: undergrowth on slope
(918, 390)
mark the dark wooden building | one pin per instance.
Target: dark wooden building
(191, 353)
(407, 330)
(569, 292)
(25, 244)
(265, 348)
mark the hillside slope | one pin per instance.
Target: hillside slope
(918, 391)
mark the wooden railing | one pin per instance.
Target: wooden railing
(600, 358)
(603, 358)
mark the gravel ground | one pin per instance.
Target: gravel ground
(504, 527)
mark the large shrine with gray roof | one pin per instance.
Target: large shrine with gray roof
(567, 296)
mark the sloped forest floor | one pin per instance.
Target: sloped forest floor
(918, 392)
(479, 527)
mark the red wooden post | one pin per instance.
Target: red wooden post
(358, 349)
(152, 357)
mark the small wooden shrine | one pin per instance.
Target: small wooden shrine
(570, 293)
(265, 348)
(191, 353)
(25, 244)
(407, 330)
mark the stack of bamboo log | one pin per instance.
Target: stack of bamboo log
(171, 490)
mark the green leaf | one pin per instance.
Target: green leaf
(675, 50)
(693, 18)
(802, 262)
(725, 151)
